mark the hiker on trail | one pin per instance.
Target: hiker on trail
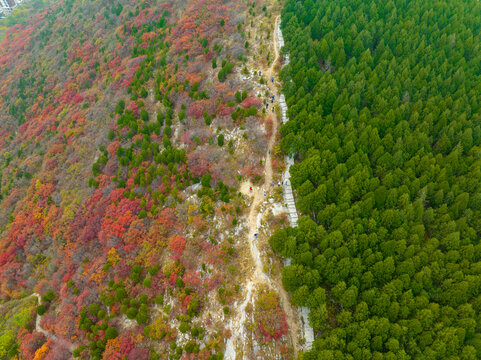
(273, 183)
(255, 235)
(269, 151)
(250, 188)
(272, 79)
(278, 183)
(264, 193)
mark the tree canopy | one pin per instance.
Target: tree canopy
(385, 125)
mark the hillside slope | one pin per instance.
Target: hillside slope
(125, 131)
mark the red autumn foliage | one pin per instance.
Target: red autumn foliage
(65, 325)
(196, 109)
(54, 216)
(193, 78)
(223, 110)
(270, 318)
(177, 245)
(134, 107)
(251, 101)
(198, 163)
(30, 343)
(139, 354)
(168, 219)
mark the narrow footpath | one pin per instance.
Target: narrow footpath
(38, 328)
(258, 277)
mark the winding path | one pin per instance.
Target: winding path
(38, 328)
(48, 335)
(258, 276)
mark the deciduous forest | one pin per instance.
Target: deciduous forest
(124, 131)
(22, 14)
(383, 102)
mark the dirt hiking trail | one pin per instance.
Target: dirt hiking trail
(258, 277)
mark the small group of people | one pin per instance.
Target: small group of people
(260, 74)
(272, 102)
(279, 183)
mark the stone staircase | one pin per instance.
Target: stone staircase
(303, 312)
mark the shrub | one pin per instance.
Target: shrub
(142, 214)
(143, 299)
(251, 111)
(220, 140)
(119, 109)
(238, 96)
(144, 115)
(167, 130)
(182, 115)
(221, 75)
(111, 135)
(147, 330)
(121, 293)
(101, 314)
(142, 317)
(205, 181)
(41, 309)
(111, 333)
(94, 308)
(184, 327)
(131, 313)
(147, 282)
(159, 299)
(49, 296)
(109, 300)
(207, 118)
(189, 347)
(153, 270)
(160, 118)
(135, 272)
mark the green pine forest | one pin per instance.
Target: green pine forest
(385, 125)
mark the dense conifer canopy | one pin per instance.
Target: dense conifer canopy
(385, 124)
